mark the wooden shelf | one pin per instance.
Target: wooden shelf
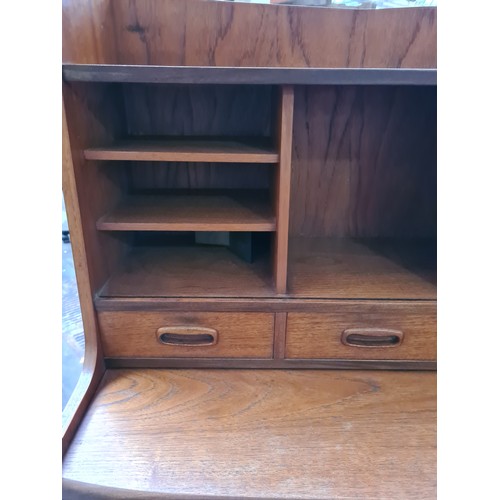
(190, 149)
(189, 271)
(362, 269)
(242, 75)
(260, 434)
(319, 268)
(194, 212)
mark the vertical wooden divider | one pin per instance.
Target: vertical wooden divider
(282, 187)
(279, 335)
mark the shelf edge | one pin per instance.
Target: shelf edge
(247, 75)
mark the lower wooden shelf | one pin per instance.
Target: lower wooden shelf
(189, 271)
(260, 434)
(344, 268)
(319, 268)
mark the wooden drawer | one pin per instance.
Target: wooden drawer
(405, 331)
(190, 335)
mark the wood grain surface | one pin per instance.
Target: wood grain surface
(318, 336)
(189, 271)
(196, 212)
(187, 150)
(180, 175)
(362, 269)
(229, 111)
(201, 33)
(240, 335)
(261, 434)
(364, 162)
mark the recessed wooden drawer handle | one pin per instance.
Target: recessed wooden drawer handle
(371, 337)
(187, 336)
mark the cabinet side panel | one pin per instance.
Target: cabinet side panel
(95, 117)
(93, 366)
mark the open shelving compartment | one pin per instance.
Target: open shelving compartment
(363, 217)
(187, 186)
(361, 177)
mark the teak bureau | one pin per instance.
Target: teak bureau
(251, 193)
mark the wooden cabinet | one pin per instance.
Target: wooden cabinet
(309, 195)
(250, 187)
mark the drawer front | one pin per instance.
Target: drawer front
(367, 331)
(187, 335)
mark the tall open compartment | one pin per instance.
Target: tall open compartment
(185, 186)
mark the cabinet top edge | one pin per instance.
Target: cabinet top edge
(247, 75)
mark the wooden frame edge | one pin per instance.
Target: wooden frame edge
(93, 365)
(272, 364)
(78, 490)
(283, 187)
(247, 75)
(263, 304)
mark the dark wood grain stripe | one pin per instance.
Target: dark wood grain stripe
(288, 364)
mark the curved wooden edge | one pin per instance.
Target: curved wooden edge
(79, 401)
(93, 365)
(77, 490)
